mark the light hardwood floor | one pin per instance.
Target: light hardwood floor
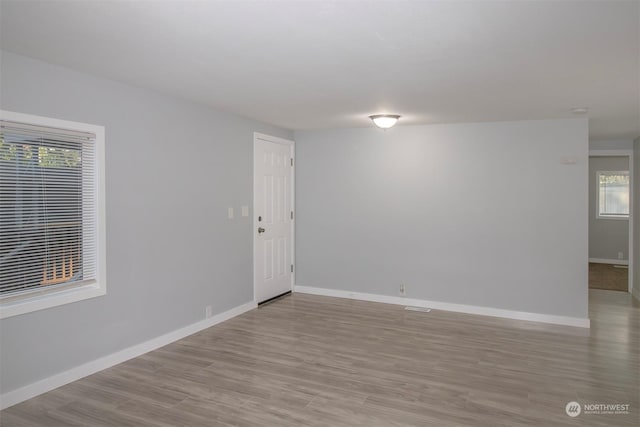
(319, 361)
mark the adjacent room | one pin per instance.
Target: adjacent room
(609, 229)
(319, 213)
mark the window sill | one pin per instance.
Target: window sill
(14, 306)
(615, 218)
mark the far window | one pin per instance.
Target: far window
(51, 212)
(613, 194)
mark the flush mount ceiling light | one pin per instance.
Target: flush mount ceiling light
(385, 121)
(580, 110)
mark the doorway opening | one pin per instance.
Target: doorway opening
(610, 220)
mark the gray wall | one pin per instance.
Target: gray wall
(636, 218)
(611, 144)
(482, 214)
(607, 237)
(172, 169)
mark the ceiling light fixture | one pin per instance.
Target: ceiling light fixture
(580, 110)
(385, 121)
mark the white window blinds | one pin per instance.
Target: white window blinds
(613, 194)
(48, 208)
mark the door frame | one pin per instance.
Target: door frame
(292, 151)
(628, 153)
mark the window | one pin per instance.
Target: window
(613, 195)
(51, 212)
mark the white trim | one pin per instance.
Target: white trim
(460, 308)
(615, 218)
(611, 153)
(609, 261)
(13, 306)
(34, 389)
(629, 154)
(274, 139)
(292, 145)
(53, 298)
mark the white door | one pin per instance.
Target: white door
(273, 216)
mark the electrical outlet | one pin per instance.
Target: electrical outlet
(620, 255)
(403, 290)
(208, 311)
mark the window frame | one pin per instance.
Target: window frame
(623, 217)
(14, 305)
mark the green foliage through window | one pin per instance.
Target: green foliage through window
(48, 156)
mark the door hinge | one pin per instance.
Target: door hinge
(292, 162)
(292, 268)
(291, 214)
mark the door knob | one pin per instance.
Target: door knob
(260, 230)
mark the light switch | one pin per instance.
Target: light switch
(230, 213)
(245, 211)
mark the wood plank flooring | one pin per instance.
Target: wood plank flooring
(317, 361)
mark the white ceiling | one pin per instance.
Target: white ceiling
(329, 64)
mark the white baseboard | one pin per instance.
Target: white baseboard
(460, 308)
(31, 390)
(609, 261)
